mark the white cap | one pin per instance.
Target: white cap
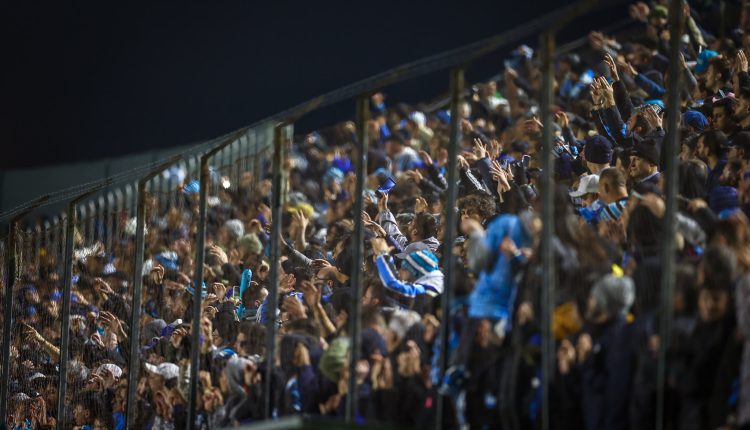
(418, 117)
(165, 370)
(587, 184)
(112, 368)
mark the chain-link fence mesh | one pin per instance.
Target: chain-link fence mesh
(4, 280)
(36, 323)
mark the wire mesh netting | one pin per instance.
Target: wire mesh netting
(100, 288)
(36, 323)
(4, 280)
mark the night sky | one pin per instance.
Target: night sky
(87, 80)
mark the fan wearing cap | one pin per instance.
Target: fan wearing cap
(613, 197)
(419, 273)
(588, 190)
(163, 375)
(598, 154)
(695, 121)
(644, 161)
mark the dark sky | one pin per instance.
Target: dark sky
(86, 80)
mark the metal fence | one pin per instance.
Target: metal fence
(120, 226)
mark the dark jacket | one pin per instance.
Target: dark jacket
(606, 376)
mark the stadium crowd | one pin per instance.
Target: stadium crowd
(608, 209)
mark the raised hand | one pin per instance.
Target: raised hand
(608, 94)
(320, 263)
(379, 245)
(626, 67)
(596, 94)
(480, 149)
(104, 289)
(383, 202)
(612, 67)
(495, 148)
(301, 219)
(654, 120)
(220, 290)
(420, 205)
(562, 119)
(742, 61)
(426, 159)
(310, 293)
(532, 127)
(414, 175)
(294, 308)
(462, 163)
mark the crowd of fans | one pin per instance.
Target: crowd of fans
(608, 211)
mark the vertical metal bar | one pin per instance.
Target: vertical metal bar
(81, 215)
(101, 219)
(456, 90)
(355, 324)
(92, 222)
(547, 41)
(62, 383)
(56, 232)
(10, 260)
(237, 163)
(37, 243)
(273, 294)
(111, 212)
(667, 244)
(119, 208)
(200, 257)
(135, 313)
(256, 158)
(128, 199)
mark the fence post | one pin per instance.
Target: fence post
(279, 136)
(457, 87)
(363, 114)
(62, 383)
(547, 41)
(200, 257)
(70, 225)
(135, 308)
(670, 190)
(135, 312)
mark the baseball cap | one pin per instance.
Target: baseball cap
(114, 369)
(702, 64)
(165, 370)
(587, 184)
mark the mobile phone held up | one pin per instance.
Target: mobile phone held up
(387, 185)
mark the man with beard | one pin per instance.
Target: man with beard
(711, 150)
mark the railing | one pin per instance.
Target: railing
(118, 211)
